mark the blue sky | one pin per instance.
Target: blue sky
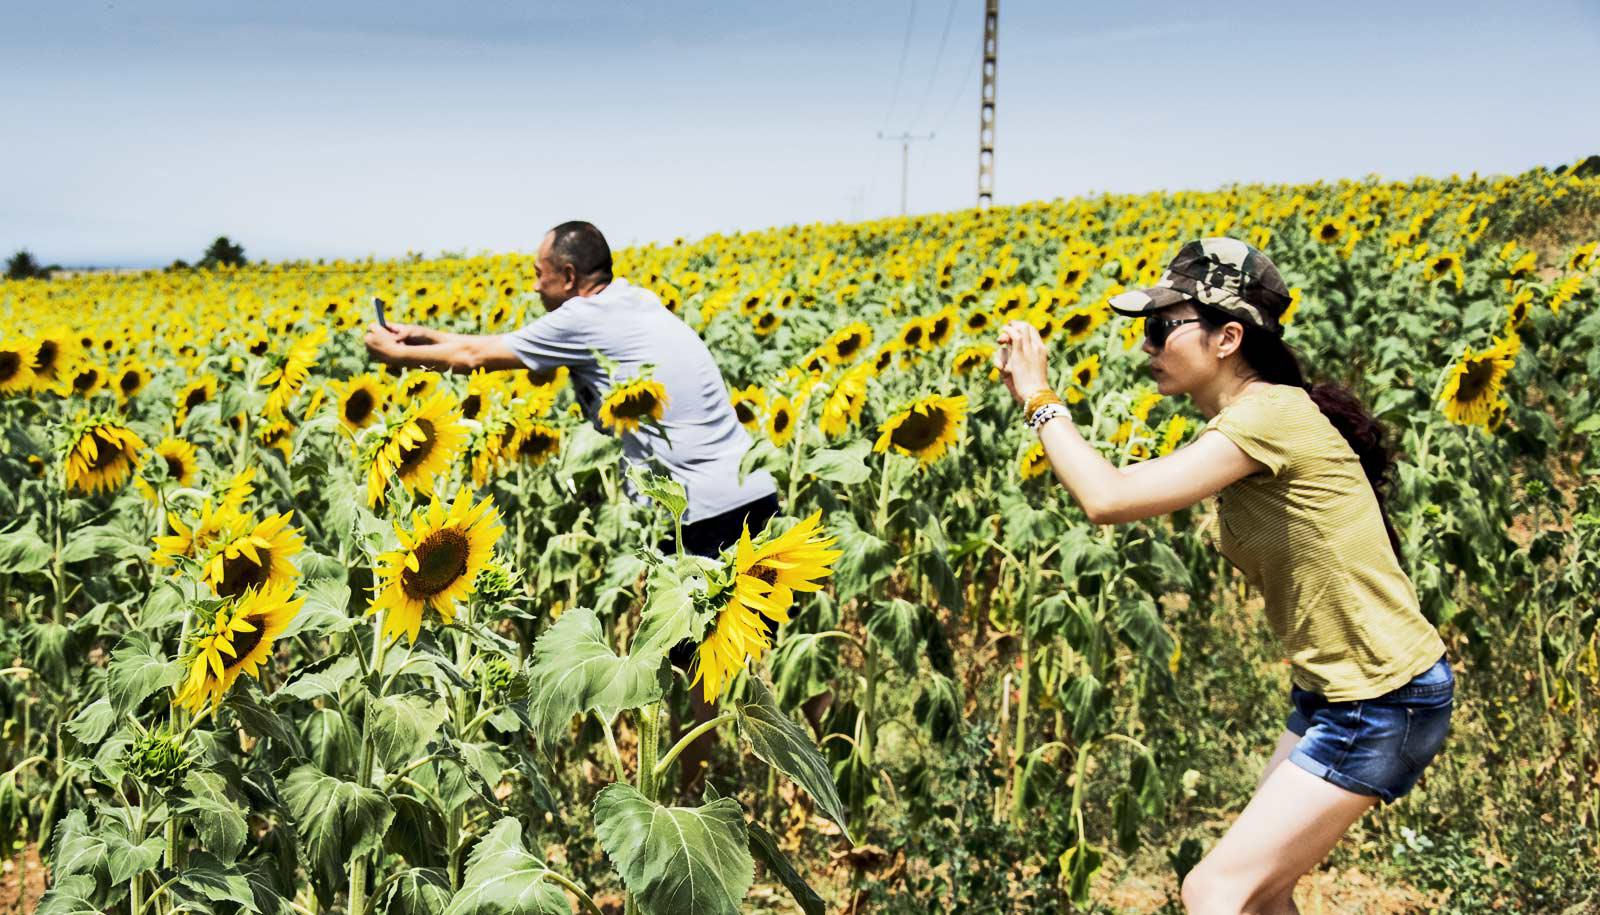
(134, 132)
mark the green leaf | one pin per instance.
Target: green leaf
(866, 560)
(332, 742)
(574, 670)
(763, 455)
(803, 666)
(324, 679)
(326, 610)
(23, 552)
(1079, 864)
(587, 449)
(895, 625)
(665, 491)
(782, 744)
(1140, 626)
(78, 850)
(676, 860)
(336, 820)
(261, 722)
(504, 878)
(101, 542)
(938, 706)
(1087, 705)
(847, 465)
(216, 881)
(138, 668)
(218, 819)
(670, 615)
(124, 859)
(93, 722)
(418, 891)
(71, 895)
(402, 726)
(764, 846)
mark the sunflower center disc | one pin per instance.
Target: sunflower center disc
(10, 365)
(246, 642)
(358, 406)
(765, 573)
(174, 467)
(107, 453)
(441, 561)
(1474, 381)
(919, 430)
(241, 572)
(414, 455)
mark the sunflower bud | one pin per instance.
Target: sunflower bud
(496, 677)
(158, 759)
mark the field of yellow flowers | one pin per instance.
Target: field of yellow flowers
(286, 632)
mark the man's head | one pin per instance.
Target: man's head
(574, 260)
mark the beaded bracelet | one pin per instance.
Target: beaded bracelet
(1044, 414)
(1039, 399)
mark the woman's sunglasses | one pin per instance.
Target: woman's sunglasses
(1157, 330)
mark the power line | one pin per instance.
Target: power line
(900, 71)
(938, 60)
(972, 67)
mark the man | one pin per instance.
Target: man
(590, 312)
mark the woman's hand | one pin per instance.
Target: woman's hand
(1026, 369)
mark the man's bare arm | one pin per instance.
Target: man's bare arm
(422, 347)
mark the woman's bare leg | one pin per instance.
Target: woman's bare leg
(1292, 822)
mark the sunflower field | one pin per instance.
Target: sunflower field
(287, 632)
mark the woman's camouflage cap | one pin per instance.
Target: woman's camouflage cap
(1224, 273)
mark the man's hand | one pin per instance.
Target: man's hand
(385, 343)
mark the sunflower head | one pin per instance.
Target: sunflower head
(924, 430)
(101, 455)
(416, 449)
(1474, 384)
(1033, 463)
(766, 575)
(633, 403)
(16, 370)
(437, 564)
(972, 358)
(238, 640)
(254, 556)
(360, 401)
(180, 460)
(85, 379)
(747, 405)
(130, 380)
(536, 442)
(199, 391)
(780, 421)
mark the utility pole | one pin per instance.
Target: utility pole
(991, 37)
(905, 140)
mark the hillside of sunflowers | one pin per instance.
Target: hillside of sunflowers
(288, 633)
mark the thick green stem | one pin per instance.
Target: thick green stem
(359, 864)
(649, 750)
(686, 739)
(869, 707)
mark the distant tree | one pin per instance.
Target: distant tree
(222, 253)
(179, 264)
(23, 266)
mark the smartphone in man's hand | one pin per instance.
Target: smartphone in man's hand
(378, 304)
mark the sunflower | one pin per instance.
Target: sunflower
(179, 457)
(747, 405)
(766, 322)
(924, 430)
(780, 421)
(239, 640)
(253, 557)
(194, 539)
(913, 335)
(1034, 462)
(417, 385)
(848, 342)
(1330, 231)
(130, 380)
(420, 446)
(1474, 384)
(1286, 318)
(360, 400)
(1517, 311)
(53, 355)
(481, 386)
(977, 322)
(972, 358)
(535, 442)
(885, 356)
(766, 577)
(199, 391)
(278, 434)
(1147, 401)
(843, 405)
(1012, 301)
(1079, 323)
(1172, 436)
(102, 456)
(1565, 291)
(85, 379)
(287, 379)
(437, 564)
(632, 403)
(1083, 375)
(16, 369)
(1583, 257)
(941, 326)
(1443, 264)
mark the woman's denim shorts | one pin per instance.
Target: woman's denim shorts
(1378, 746)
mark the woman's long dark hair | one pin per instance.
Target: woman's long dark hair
(1273, 360)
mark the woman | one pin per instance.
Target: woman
(1299, 472)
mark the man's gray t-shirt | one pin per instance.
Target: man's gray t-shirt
(704, 442)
